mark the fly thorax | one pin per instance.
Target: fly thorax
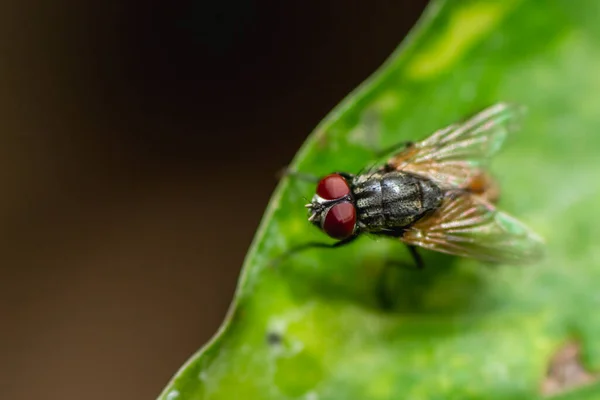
(368, 200)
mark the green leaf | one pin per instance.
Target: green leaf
(313, 328)
(591, 392)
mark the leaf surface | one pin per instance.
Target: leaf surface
(313, 326)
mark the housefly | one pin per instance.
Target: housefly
(433, 194)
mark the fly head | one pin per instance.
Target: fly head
(332, 208)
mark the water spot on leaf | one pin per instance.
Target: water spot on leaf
(389, 102)
(366, 133)
(312, 396)
(172, 395)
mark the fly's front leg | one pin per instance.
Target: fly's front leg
(313, 245)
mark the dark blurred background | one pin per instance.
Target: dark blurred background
(139, 143)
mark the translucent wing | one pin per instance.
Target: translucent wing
(453, 155)
(466, 225)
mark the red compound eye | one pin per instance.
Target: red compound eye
(333, 187)
(340, 220)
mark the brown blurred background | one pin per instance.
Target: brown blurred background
(139, 143)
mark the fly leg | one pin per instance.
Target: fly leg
(385, 290)
(312, 245)
(416, 256)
